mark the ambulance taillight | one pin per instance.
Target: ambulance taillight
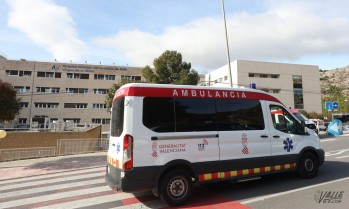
(128, 152)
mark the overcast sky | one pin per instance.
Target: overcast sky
(134, 32)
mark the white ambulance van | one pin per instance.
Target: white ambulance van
(168, 138)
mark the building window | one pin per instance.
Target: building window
(98, 106)
(104, 77)
(298, 92)
(252, 75)
(131, 77)
(24, 104)
(225, 78)
(45, 105)
(47, 89)
(22, 89)
(75, 120)
(48, 74)
(99, 77)
(100, 121)
(75, 105)
(78, 76)
(20, 73)
(110, 77)
(100, 91)
(22, 120)
(12, 72)
(53, 120)
(76, 90)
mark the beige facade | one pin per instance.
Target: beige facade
(64, 91)
(287, 82)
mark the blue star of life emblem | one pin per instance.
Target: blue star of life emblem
(288, 145)
(118, 148)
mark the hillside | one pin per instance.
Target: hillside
(338, 77)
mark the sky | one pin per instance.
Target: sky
(135, 32)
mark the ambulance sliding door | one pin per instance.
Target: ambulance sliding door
(244, 139)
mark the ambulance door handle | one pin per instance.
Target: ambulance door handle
(113, 145)
(264, 136)
(276, 136)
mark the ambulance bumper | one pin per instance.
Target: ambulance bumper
(137, 179)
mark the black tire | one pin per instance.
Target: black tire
(176, 187)
(308, 166)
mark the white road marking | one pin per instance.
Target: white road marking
(291, 191)
(327, 140)
(342, 157)
(336, 152)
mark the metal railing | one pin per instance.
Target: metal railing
(63, 147)
(78, 146)
(25, 153)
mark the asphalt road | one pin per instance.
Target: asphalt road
(61, 187)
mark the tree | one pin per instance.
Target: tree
(170, 69)
(111, 93)
(9, 103)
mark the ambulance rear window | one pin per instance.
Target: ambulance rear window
(117, 117)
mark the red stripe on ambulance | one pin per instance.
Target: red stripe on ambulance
(193, 93)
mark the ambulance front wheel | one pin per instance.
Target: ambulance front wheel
(308, 166)
(176, 187)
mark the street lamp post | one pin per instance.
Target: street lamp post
(226, 38)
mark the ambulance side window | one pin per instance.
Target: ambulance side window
(158, 114)
(179, 114)
(195, 114)
(235, 115)
(283, 121)
(117, 117)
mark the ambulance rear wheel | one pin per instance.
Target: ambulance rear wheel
(308, 166)
(176, 187)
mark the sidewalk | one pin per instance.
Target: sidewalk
(38, 166)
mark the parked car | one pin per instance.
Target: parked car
(308, 123)
(320, 124)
